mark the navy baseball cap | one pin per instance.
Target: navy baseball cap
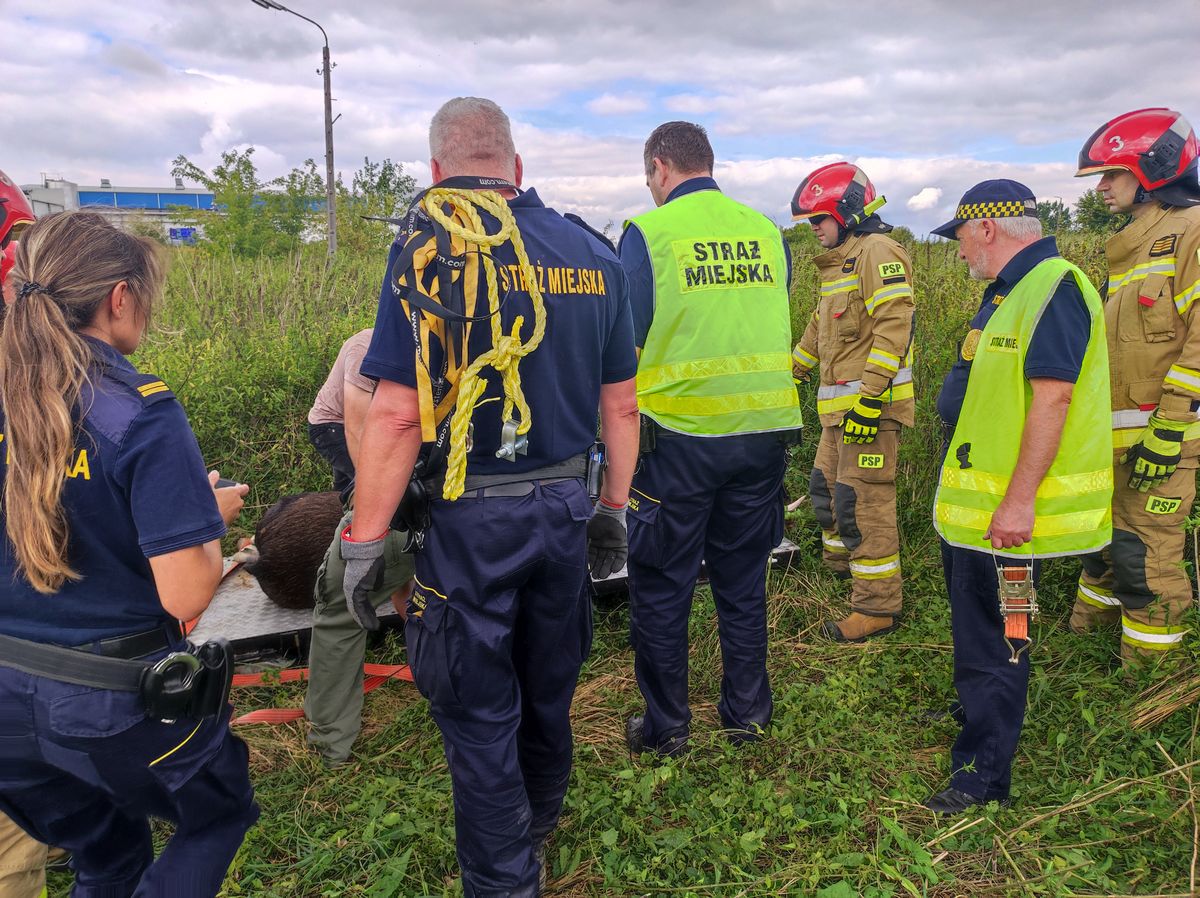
(1001, 198)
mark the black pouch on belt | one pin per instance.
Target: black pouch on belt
(194, 683)
(646, 435)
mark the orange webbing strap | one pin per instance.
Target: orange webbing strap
(1016, 622)
(375, 676)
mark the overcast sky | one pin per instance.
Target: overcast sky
(928, 97)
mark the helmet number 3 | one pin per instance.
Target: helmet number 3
(1117, 142)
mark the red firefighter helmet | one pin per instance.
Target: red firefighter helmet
(840, 189)
(15, 211)
(8, 258)
(1157, 146)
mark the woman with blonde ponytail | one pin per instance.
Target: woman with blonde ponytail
(112, 532)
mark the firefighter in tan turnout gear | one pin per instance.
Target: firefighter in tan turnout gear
(860, 336)
(1147, 162)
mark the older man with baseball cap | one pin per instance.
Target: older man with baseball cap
(1026, 472)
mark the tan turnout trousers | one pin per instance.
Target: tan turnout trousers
(853, 490)
(22, 862)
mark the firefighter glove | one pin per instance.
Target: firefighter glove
(607, 540)
(861, 424)
(364, 575)
(1155, 455)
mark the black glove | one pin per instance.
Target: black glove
(607, 539)
(364, 575)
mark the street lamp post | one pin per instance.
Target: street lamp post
(330, 190)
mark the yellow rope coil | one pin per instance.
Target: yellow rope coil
(507, 349)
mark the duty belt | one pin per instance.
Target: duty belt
(496, 485)
(189, 683)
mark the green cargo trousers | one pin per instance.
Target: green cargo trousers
(333, 704)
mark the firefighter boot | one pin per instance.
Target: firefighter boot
(859, 627)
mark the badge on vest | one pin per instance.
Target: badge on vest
(1159, 505)
(970, 345)
(848, 265)
(1003, 343)
(870, 461)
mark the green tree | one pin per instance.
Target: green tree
(252, 217)
(1092, 215)
(1055, 216)
(377, 190)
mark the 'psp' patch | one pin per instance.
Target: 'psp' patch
(891, 269)
(870, 461)
(1163, 246)
(1160, 505)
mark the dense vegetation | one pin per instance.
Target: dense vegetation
(830, 804)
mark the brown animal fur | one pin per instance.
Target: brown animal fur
(290, 543)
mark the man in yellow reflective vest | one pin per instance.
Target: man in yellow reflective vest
(1026, 473)
(1147, 163)
(709, 294)
(861, 334)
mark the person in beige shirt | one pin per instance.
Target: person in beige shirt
(335, 420)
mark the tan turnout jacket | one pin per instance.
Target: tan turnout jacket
(861, 330)
(1151, 315)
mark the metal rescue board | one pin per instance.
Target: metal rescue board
(258, 628)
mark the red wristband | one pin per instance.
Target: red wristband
(612, 505)
(350, 539)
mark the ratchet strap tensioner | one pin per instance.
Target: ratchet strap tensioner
(193, 682)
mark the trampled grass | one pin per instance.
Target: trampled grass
(828, 805)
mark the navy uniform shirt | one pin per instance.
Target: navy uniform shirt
(635, 259)
(136, 487)
(588, 339)
(1059, 340)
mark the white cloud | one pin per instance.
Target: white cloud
(925, 198)
(929, 102)
(614, 104)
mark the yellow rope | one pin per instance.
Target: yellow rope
(507, 349)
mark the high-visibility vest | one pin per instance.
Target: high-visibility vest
(1073, 506)
(717, 359)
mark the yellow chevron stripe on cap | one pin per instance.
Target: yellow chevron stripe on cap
(999, 209)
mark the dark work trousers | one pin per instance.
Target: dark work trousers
(330, 442)
(991, 689)
(719, 499)
(83, 769)
(499, 625)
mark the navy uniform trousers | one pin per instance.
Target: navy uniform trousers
(499, 625)
(720, 500)
(991, 689)
(83, 768)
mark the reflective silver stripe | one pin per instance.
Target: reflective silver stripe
(833, 543)
(1141, 272)
(1183, 377)
(1142, 636)
(834, 391)
(881, 296)
(1130, 417)
(859, 567)
(1099, 597)
(1185, 299)
(1127, 418)
(841, 285)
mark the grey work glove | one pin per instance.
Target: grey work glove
(364, 574)
(607, 539)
